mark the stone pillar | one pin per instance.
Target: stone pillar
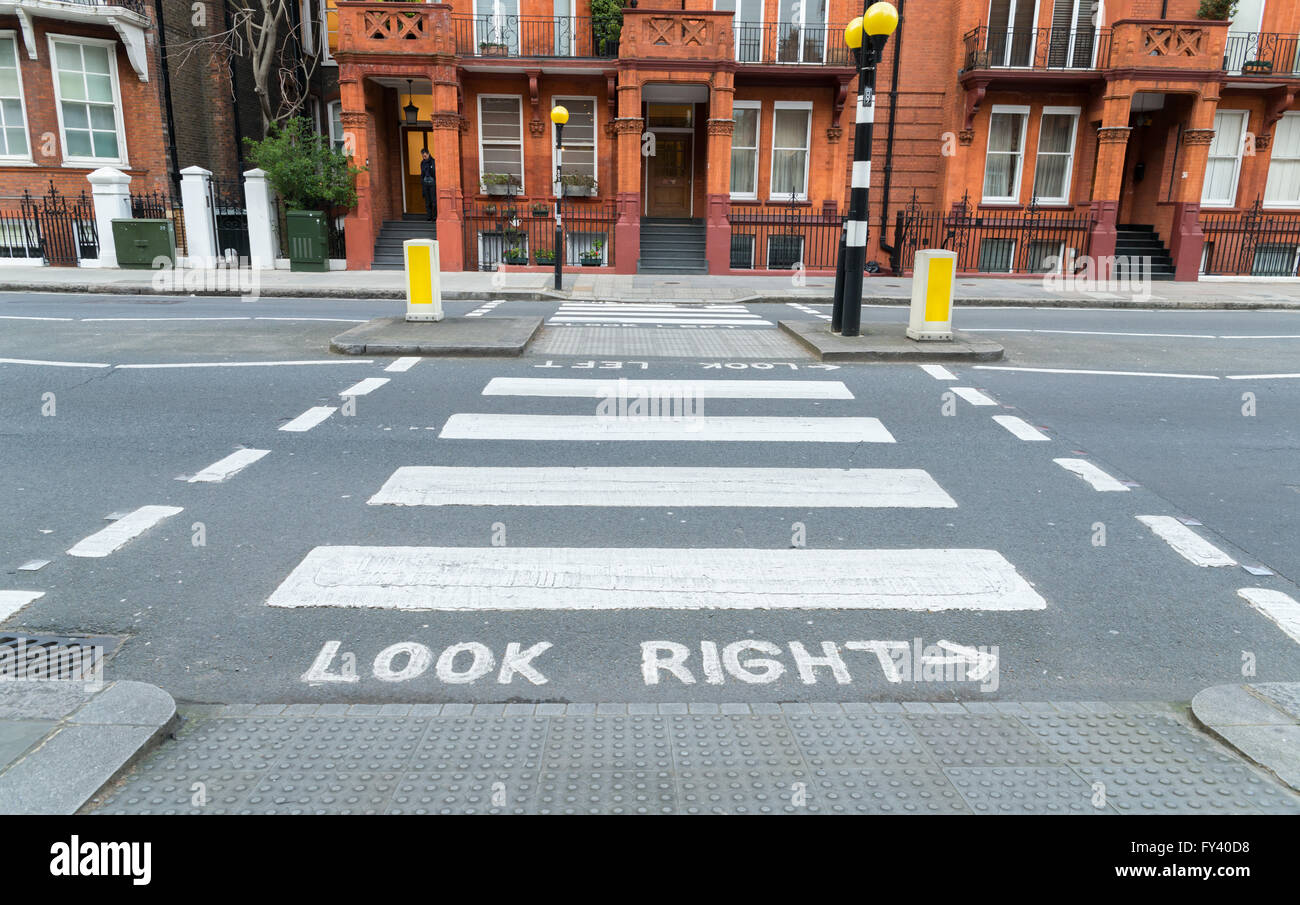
(1186, 241)
(627, 131)
(717, 228)
(358, 225)
(451, 200)
(110, 190)
(1108, 170)
(200, 228)
(263, 243)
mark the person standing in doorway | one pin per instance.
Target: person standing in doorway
(428, 183)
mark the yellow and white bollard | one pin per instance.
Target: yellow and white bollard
(423, 280)
(933, 276)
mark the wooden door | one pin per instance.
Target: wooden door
(668, 177)
(414, 141)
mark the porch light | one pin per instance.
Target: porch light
(412, 112)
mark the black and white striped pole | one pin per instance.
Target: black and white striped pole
(867, 37)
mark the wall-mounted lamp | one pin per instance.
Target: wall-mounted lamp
(412, 112)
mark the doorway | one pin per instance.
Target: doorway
(669, 172)
(414, 140)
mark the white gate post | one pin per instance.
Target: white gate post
(110, 190)
(200, 229)
(263, 244)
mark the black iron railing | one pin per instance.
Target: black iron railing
(521, 232)
(790, 42)
(20, 230)
(786, 238)
(1253, 242)
(230, 213)
(531, 36)
(1261, 53)
(1036, 48)
(159, 205)
(63, 228)
(136, 6)
(1026, 241)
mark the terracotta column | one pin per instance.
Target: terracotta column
(717, 228)
(627, 129)
(358, 225)
(1108, 171)
(447, 123)
(1186, 240)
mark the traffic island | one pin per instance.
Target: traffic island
(1260, 720)
(486, 336)
(888, 342)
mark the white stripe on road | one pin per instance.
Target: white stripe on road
(1104, 373)
(20, 317)
(548, 578)
(1117, 333)
(13, 601)
(309, 419)
(331, 320)
(1278, 607)
(251, 364)
(875, 488)
(403, 364)
(938, 372)
(1020, 427)
(1249, 376)
(1186, 542)
(365, 387)
(572, 428)
(1265, 336)
(705, 389)
(673, 322)
(1092, 474)
(96, 320)
(52, 364)
(231, 465)
(972, 395)
(128, 527)
(619, 306)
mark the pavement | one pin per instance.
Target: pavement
(942, 590)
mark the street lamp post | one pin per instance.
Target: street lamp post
(877, 23)
(559, 116)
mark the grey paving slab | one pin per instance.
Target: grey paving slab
(127, 703)
(1025, 790)
(70, 767)
(32, 700)
(1236, 705)
(1284, 694)
(888, 342)
(497, 336)
(1276, 748)
(16, 736)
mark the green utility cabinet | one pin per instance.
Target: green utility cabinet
(308, 242)
(139, 243)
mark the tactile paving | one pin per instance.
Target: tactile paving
(739, 742)
(1026, 790)
(955, 740)
(669, 342)
(848, 741)
(609, 743)
(1097, 741)
(510, 744)
(607, 792)
(465, 792)
(322, 792)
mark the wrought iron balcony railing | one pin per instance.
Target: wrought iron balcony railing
(140, 7)
(1037, 49)
(1262, 53)
(790, 42)
(531, 36)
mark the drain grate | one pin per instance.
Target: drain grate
(75, 658)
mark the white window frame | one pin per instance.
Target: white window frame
(326, 57)
(807, 157)
(81, 162)
(1290, 202)
(595, 135)
(1236, 170)
(22, 100)
(1014, 197)
(802, 24)
(337, 142)
(738, 23)
(757, 107)
(308, 37)
(494, 19)
(1011, 32)
(523, 160)
(1068, 185)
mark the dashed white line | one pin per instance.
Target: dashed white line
(20, 317)
(938, 372)
(128, 527)
(1020, 428)
(331, 320)
(309, 419)
(707, 389)
(1276, 606)
(13, 601)
(248, 364)
(1103, 373)
(1092, 474)
(364, 387)
(1264, 377)
(571, 428)
(96, 320)
(53, 364)
(972, 395)
(231, 465)
(403, 364)
(1186, 542)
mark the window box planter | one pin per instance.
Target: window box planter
(499, 184)
(546, 258)
(541, 210)
(491, 49)
(590, 260)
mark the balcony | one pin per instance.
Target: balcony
(532, 36)
(1171, 45)
(1264, 54)
(1036, 49)
(783, 43)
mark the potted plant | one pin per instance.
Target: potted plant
(493, 49)
(500, 183)
(545, 256)
(606, 24)
(577, 184)
(541, 209)
(489, 210)
(515, 254)
(592, 256)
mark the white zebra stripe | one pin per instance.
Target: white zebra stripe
(705, 428)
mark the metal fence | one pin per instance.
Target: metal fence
(20, 233)
(1036, 48)
(230, 216)
(787, 238)
(58, 230)
(790, 42)
(523, 232)
(1261, 53)
(1027, 241)
(1252, 242)
(161, 206)
(531, 36)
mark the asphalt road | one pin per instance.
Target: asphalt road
(1130, 619)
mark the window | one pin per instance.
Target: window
(580, 244)
(13, 122)
(501, 137)
(747, 25)
(1055, 162)
(1011, 32)
(1274, 260)
(1045, 256)
(996, 255)
(784, 252)
(1283, 187)
(85, 86)
(801, 31)
(336, 124)
(791, 130)
(496, 27)
(1224, 165)
(1073, 34)
(329, 14)
(742, 251)
(1002, 162)
(744, 150)
(579, 140)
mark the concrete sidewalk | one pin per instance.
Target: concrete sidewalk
(366, 284)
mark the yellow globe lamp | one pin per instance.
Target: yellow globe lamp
(853, 34)
(880, 19)
(560, 115)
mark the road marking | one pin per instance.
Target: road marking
(662, 486)
(549, 578)
(1265, 336)
(1280, 608)
(1104, 373)
(251, 364)
(128, 527)
(1255, 376)
(13, 601)
(1092, 474)
(1186, 542)
(938, 372)
(20, 317)
(690, 322)
(33, 565)
(309, 419)
(93, 320)
(231, 465)
(1020, 427)
(52, 364)
(1117, 333)
(331, 320)
(616, 308)
(365, 387)
(403, 364)
(972, 395)
(700, 389)
(486, 426)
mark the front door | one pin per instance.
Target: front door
(414, 140)
(668, 177)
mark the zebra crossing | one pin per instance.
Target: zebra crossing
(650, 578)
(654, 314)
